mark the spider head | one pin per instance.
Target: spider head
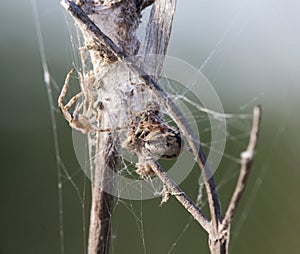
(152, 108)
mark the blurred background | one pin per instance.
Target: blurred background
(256, 46)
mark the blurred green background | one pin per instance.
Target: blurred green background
(257, 61)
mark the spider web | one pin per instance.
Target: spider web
(74, 180)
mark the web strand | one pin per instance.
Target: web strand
(47, 80)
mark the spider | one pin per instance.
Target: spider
(147, 129)
(159, 138)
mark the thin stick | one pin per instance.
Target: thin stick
(246, 162)
(174, 190)
(100, 221)
(102, 202)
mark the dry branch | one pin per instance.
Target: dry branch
(246, 163)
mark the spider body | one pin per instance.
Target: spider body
(146, 129)
(165, 145)
(159, 138)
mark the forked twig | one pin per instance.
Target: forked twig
(246, 162)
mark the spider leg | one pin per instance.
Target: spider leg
(88, 97)
(78, 121)
(78, 107)
(72, 101)
(111, 129)
(62, 95)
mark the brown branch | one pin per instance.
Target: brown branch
(102, 202)
(157, 37)
(173, 189)
(100, 222)
(246, 163)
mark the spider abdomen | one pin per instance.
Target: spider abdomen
(165, 145)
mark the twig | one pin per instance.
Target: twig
(173, 189)
(102, 202)
(246, 162)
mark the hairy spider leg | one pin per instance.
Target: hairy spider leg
(62, 95)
